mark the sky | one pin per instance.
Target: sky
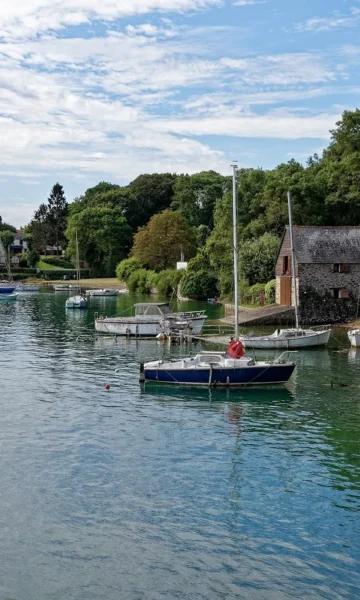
(104, 90)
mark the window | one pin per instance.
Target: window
(340, 293)
(341, 268)
(285, 265)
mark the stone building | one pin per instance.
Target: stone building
(327, 264)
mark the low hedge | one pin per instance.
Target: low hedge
(57, 261)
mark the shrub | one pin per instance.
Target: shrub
(167, 281)
(140, 281)
(270, 291)
(126, 268)
(57, 261)
(252, 294)
(199, 285)
(32, 258)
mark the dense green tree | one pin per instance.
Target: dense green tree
(257, 258)
(148, 194)
(104, 237)
(6, 226)
(199, 280)
(160, 243)
(7, 237)
(196, 195)
(57, 210)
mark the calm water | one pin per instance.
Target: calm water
(162, 493)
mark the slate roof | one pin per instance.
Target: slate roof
(326, 244)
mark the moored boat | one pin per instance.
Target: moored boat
(287, 338)
(8, 297)
(6, 288)
(103, 292)
(354, 337)
(77, 301)
(149, 320)
(217, 369)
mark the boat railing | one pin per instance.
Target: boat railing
(189, 314)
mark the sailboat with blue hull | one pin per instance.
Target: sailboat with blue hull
(226, 369)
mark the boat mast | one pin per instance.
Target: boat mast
(235, 250)
(293, 261)
(77, 260)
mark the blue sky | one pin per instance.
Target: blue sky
(96, 90)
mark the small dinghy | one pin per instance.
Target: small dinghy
(77, 301)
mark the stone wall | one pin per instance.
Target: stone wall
(317, 303)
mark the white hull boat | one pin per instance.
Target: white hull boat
(150, 320)
(354, 337)
(105, 292)
(65, 287)
(8, 297)
(76, 302)
(290, 339)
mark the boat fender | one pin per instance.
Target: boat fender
(142, 374)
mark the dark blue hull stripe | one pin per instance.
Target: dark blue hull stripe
(224, 376)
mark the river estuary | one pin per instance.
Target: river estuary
(149, 493)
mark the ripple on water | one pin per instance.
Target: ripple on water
(159, 492)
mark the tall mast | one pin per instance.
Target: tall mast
(235, 250)
(77, 259)
(293, 261)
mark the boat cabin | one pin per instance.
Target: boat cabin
(153, 309)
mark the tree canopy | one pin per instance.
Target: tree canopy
(160, 243)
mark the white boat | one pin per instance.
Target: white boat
(64, 287)
(354, 337)
(4, 298)
(228, 369)
(150, 319)
(77, 301)
(24, 287)
(292, 337)
(288, 338)
(103, 292)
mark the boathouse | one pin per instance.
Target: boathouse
(327, 269)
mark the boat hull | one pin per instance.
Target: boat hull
(7, 289)
(222, 376)
(270, 342)
(354, 337)
(140, 328)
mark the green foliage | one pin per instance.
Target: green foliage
(141, 281)
(49, 222)
(253, 294)
(270, 291)
(57, 261)
(6, 226)
(196, 195)
(32, 258)
(103, 236)
(199, 280)
(147, 195)
(7, 237)
(159, 244)
(257, 258)
(167, 281)
(126, 267)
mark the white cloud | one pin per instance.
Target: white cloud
(30, 18)
(334, 21)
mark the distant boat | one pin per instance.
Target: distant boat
(108, 292)
(65, 287)
(292, 337)
(23, 287)
(151, 319)
(228, 369)
(6, 287)
(354, 337)
(8, 297)
(77, 301)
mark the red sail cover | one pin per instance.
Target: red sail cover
(235, 349)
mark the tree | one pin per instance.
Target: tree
(7, 237)
(148, 195)
(103, 234)
(199, 280)
(257, 258)
(196, 195)
(160, 243)
(57, 210)
(6, 226)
